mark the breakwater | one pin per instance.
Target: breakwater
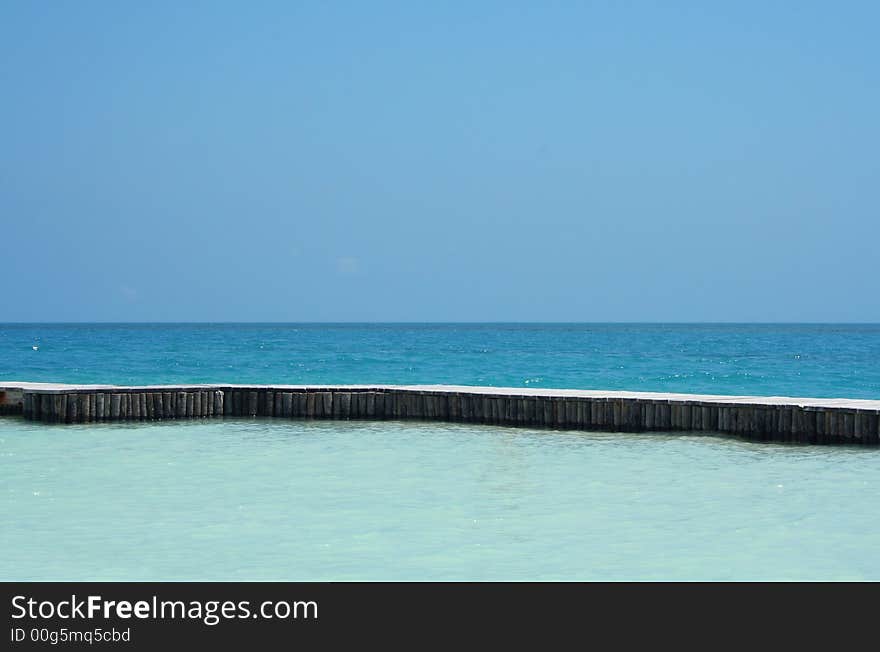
(821, 421)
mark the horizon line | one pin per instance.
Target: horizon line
(416, 323)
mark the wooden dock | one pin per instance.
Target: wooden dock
(807, 420)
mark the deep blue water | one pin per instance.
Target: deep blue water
(835, 360)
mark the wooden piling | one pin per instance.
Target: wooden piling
(786, 420)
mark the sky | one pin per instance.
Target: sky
(428, 161)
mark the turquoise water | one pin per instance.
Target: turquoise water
(267, 500)
(794, 360)
(297, 500)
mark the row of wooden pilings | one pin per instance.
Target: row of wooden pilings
(759, 421)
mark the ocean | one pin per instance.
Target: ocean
(263, 499)
(839, 361)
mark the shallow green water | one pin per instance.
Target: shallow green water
(267, 500)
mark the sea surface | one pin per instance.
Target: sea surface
(252, 499)
(262, 499)
(757, 359)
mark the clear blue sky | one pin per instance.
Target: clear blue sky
(427, 161)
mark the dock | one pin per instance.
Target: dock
(777, 418)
